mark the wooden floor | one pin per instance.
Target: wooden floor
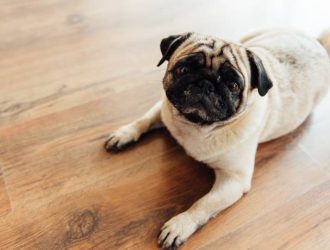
(72, 71)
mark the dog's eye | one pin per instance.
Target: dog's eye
(182, 70)
(233, 87)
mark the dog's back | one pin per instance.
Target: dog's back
(300, 70)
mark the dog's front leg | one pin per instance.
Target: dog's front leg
(229, 186)
(131, 132)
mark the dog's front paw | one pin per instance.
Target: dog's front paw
(176, 231)
(121, 138)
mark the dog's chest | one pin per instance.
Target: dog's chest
(197, 141)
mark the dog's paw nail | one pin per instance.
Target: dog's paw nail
(111, 148)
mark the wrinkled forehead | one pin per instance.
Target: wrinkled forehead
(215, 51)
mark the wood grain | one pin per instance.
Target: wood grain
(4, 199)
(72, 71)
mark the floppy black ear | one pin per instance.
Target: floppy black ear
(259, 77)
(170, 44)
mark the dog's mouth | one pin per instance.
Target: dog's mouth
(200, 102)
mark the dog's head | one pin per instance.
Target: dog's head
(207, 79)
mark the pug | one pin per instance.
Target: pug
(222, 99)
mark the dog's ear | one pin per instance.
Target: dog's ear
(259, 77)
(170, 44)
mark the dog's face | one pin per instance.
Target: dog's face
(207, 77)
(203, 94)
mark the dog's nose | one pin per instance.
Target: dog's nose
(206, 85)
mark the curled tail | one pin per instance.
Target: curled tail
(325, 40)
